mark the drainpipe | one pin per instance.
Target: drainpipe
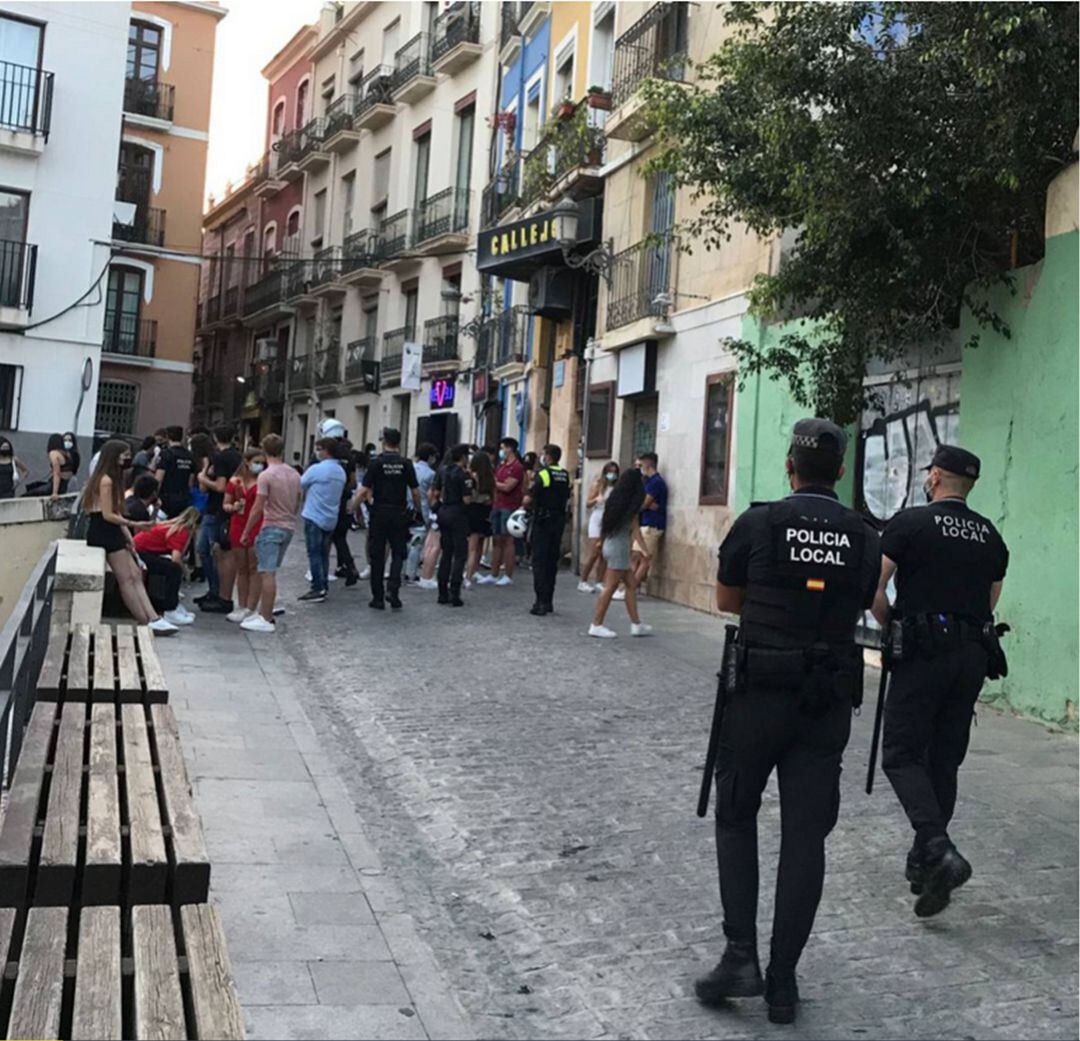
(590, 350)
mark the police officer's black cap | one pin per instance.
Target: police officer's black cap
(957, 460)
(819, 435)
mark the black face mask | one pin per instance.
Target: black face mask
(928, 491)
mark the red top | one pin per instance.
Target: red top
(158, 539)
(510, 500)
(238, 520)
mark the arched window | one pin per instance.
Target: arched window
(301, 104)
(277, 123)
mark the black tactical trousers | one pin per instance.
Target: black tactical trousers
(341, 542)
(387, 526)
(927, 724)
(547, 533)
(765, 728)
(454, 542)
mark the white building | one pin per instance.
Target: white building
(61, 95)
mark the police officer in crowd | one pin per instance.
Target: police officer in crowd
(547, 498)
(453, 491)
(799, 571)
(388, 484)
(949, 563)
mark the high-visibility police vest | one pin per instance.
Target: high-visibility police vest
(554, 491)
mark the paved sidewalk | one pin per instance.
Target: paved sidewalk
(446, 810)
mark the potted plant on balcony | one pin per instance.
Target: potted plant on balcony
(565, 109)
(599, 98)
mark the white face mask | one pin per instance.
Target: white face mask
(612, 477)
(257, 468)
(69, 445)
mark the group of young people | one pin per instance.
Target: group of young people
(62, 459)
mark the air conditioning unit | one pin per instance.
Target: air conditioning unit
(551, 292)
(266, 348)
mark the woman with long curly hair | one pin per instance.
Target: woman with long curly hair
(620, 529)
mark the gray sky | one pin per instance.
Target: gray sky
(247, 38)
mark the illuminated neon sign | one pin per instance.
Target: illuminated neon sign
(442, 393)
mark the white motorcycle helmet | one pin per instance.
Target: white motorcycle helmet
(331, 428)
(517, 524)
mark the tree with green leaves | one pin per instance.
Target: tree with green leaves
(904, 149)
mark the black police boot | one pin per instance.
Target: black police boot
(394, 601)
(738, 975)
(944, 870)
(538, 609)
(444, 596)
(781, 995)
(341, 571)
(379, 605)
(914, 871)
(352, 577)
(455, 598)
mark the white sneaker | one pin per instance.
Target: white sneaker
(307, 575)
(620, 594)
(467, 583)
(427, 583)
(482, 580)
(332, 577)
(603, 632)
(182, 612)
(255, 623)
(238, 615)
(485, 562)
(366, 573)
(160, 627)
(640, 629)
(175, 618)
(585, 587)
(506, 580)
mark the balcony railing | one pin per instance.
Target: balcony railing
(269, 385)
(393, 352)
(396, 232)
(149, 98)
(459, 23)
(569, 144)
(653, 47)
(25, 98)
(414, 59)
(339, 114)
(362, 249)
(640, 280)
(326, 266)
(18, 268)
(441, 339)
(356, 354)
(297, 278)
(326, 363)
(376, 88)
(264, 293)
(508, 23)
(148, 227)
(502, 193)
(128, 334)
(288, 147)
(445, 212)
(231, 302)
(311, 137)
(512, 332)
(300, 372)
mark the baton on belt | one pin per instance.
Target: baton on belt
(726, 667)
(891, 637)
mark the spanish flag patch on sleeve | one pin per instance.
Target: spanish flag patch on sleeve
(816, 584)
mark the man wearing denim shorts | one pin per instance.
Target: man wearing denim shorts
(277, 503)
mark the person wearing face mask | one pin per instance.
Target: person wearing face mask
(949, 563)
(63, 463)
(13, 470)
(239, 566)
(509, 491)
(548, 498)
(597, 498)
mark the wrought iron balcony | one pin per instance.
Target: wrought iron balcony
(326, 266)
(653, 47)
(569, 144)
(511, 336)
(444, 213)
(339, 114)
(264, 293)
(502, 194)
(18, 269)
(393, 352)
(640, 282)
(300, 372)
(147, 226)
(149, 98)
(441, 339)
(357, 354)
(326, 363)
(231, 302)
(128, 334)
(362, 249)
(459, 23)
(311, 139)
(412, 61)
(269, 384)
(396, 231)
(376, 104)
(297, 277)
(25, 99)
(508, 23)
(288, 147)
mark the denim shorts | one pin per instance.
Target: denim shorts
(498, 522)
(270, 546)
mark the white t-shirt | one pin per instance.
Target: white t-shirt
(596, 514)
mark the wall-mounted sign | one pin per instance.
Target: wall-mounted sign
(484, 387)
(559, 376)
(442, 393)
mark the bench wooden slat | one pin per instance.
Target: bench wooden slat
(60, 842)
(7, 924)
(190, 861)
(104, 682)
(152, 673)
(127, 664)
(98, 1014)
(104, 851)
(159, 1005)
(148, 861)
(39, 987)
(52, 668)
(23, 802)
(78, 670)
(216, 1007)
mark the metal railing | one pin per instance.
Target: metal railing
(23, 642)
(269, 384)
(326, 363)
(264, 293)
(326, 266)
(412, 60)
(230, 302)
(508, 23)
(300, 372)
(376, 88)
(459, 23)
(25, 98)
(393, 353)
(512, 332)
(441, 339)
(653, 47)
(396, 231)
(361, 249)
(502, 193)
(311, 137)
(147, 226)
(18, 268)
(297, 278)
(444, 212)
(356, 353)
(640, 280)
(128, 334)
(569, 144)
(149, 98)
(339, 114)
(287, 147)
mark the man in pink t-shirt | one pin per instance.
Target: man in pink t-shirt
(277, 503)
(509, 493)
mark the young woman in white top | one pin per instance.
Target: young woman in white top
(594, 503)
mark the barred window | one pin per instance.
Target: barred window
(116, 406)
(10, 393)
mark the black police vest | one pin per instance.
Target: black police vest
(808, 587)
(554, 490)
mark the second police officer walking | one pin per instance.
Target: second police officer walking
(949, 563)
(547, 498)
(799, 572)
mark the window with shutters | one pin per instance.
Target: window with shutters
(601, 420)
(716, 440)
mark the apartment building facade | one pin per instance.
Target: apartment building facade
(152, 286)
(61, 71)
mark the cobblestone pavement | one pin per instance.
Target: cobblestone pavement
(529, 794)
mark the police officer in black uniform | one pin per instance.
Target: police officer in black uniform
(388, 483)
(799, 571)
(949, 563)
(453, 490)
(547, 498)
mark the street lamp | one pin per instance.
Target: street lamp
(598, 261)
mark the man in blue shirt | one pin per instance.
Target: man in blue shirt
(653, 516)
(322, 483)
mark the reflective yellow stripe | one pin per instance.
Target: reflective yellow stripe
(545, 478)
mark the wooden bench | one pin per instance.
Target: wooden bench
(152, 971)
